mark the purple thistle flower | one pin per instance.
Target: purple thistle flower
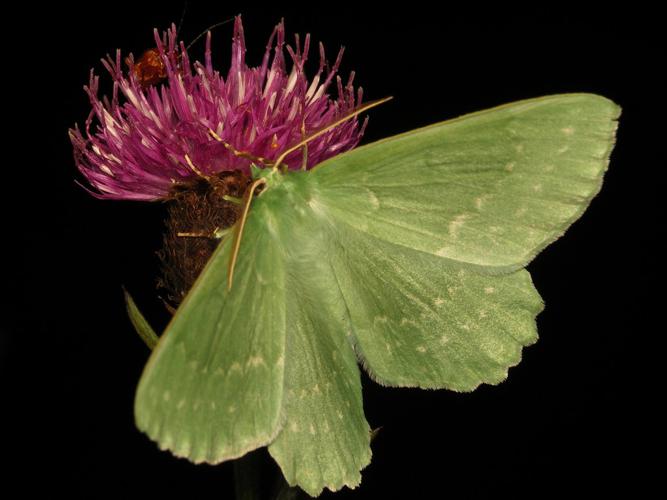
(138, 149)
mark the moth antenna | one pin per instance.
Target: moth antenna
(198, 234)
(240, 154)
(217, 234)
(239, 230)
(329, 127)
(180, 22)
(196, 39)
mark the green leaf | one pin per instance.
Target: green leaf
(405, 254)
(140, 324)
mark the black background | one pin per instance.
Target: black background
(565, 420)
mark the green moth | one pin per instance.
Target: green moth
(406, 255)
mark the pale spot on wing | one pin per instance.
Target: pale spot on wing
(388, 346)
(563, 149)
(444, 340)
(294, 427)
(236, 367)
(166, 395)
(465, 326)
(421, 348)
(567, 130)
(325, 426)
(213, 405)
(451, 290)
(231, 409)
(482, 314)
(260, 278)
(281, 361)
(438, 301)
(549, 168)
(312, 429)
(380, 319)
(509, 167)
(478, 202)
(442, 252)
(537, 187)
(255, 361)
(340, 414)
(375, 203)
(316, 389)
(519, 148)
(489, 290)
(180, 404)
(456, 224)
(168, 439)
(520, 212)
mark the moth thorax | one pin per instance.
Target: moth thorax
(195, 213)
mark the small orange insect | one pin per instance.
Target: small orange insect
(150, 68)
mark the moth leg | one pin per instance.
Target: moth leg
(232, 199)
(195, 169)
(217, 234)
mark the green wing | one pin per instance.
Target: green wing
(423, 321)
(434, 226)
(213, 387)
(268, 362)
(492, 188)
(326, 440)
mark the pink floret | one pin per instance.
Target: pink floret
(134, 145)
